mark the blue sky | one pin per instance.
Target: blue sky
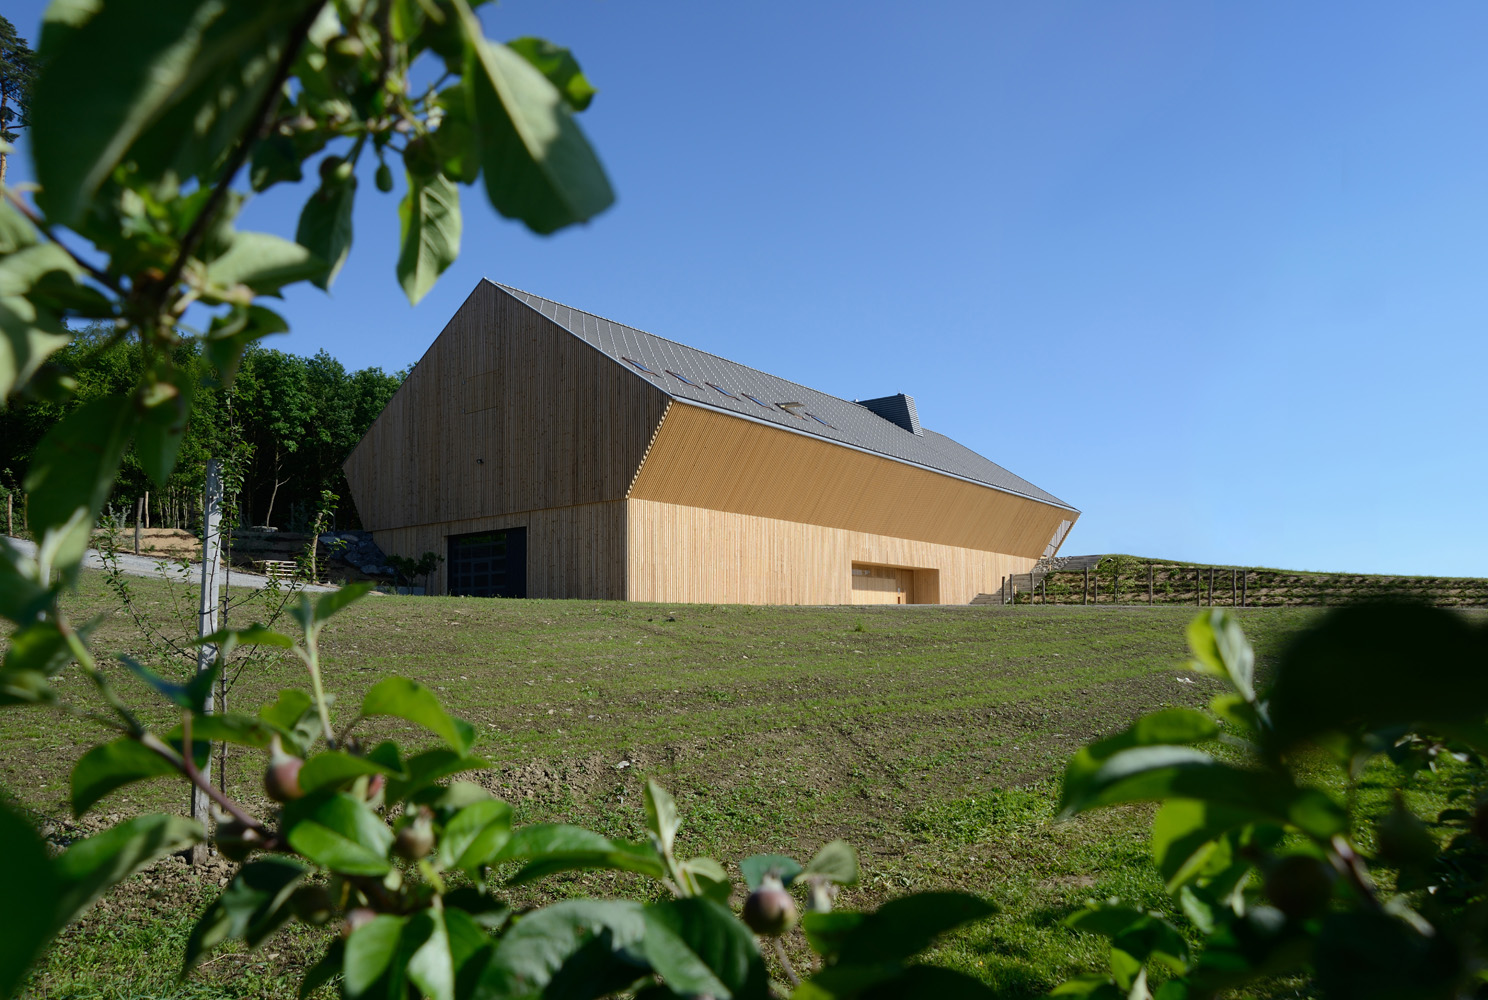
(1211, 272)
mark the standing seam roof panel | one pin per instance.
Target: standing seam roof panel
(848, 423)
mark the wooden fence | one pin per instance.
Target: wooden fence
(1134, 583)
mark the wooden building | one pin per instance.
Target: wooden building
(546, 452)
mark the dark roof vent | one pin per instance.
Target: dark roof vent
(897, 409)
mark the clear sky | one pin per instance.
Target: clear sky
(1213, 273)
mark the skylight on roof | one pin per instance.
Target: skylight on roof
(722, 390)
(791, 408)
(819, 420)
(683, 378)
(638, 365)
(756, 399)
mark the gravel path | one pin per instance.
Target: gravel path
(160, 569)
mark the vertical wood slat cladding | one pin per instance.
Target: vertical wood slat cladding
(693, 555)
(710, 460)
(553, 420)
(572, 552)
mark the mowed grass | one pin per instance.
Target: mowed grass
(931, 738)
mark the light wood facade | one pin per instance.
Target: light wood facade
(626, 493)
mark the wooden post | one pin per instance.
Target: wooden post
(139, 504)
(1149, 583)
(1234, 588)
(1211, 586)
(9, 512)
(1013, 589)
(206, 654)
(1095, 586)
(1199, 587)
(1115, 582)
(1085, 590)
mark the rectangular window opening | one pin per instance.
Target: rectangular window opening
(722, 390)
(638, 365)
(488, 564)
(683, 378)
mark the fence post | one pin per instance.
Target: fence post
(1095, 586)
(1085, 590)
(1211, 586)
(1198, 587)
(1115, 582)
(1149, 583)
(1244, 583)
(9, 513)
(1234, 588)
(138, 505)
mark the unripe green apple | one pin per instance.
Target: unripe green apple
(770, 910)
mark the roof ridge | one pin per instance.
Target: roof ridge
(669, 340)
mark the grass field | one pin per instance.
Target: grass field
(930, 738)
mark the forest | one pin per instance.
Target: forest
(287, 423)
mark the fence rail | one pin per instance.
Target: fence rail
(1133, 582)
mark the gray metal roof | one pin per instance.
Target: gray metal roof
(819, 414)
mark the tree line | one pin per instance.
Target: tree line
(287, 422)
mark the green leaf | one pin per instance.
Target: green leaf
(475, 834)
(326, 968)
(24, 592)
(114, 73)
(226, 727)
(275, 159)
(372, 955)
(40, 648)
(429, 220)
(1169, 726)
(1221, 649)
(931, 981)
(29, 331)
(1187, 834)
(580, 933)
(835, 862)
(293, 715)
(454, 140)
(16, 231)
(113, 765)
(556, 847)
(339, 600)
(190, 696)
(559, 66)
(1360, 669)
(825, 932)
(1155, 773)
(423, 769)
(538, 166)
(251, 907)
(71, 474)
(229, 336)
(228, 639)
(661, 815)
(409, 700)
(264, 263)
(325, 226)
(431, 967)
(699, 948)
(712, 878)
(334, 768)
(26, 870)
(756, 867)
(91, 867)
(902, 928)
(340, 833)
(167, 409)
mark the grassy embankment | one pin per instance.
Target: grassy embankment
(930, 738)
